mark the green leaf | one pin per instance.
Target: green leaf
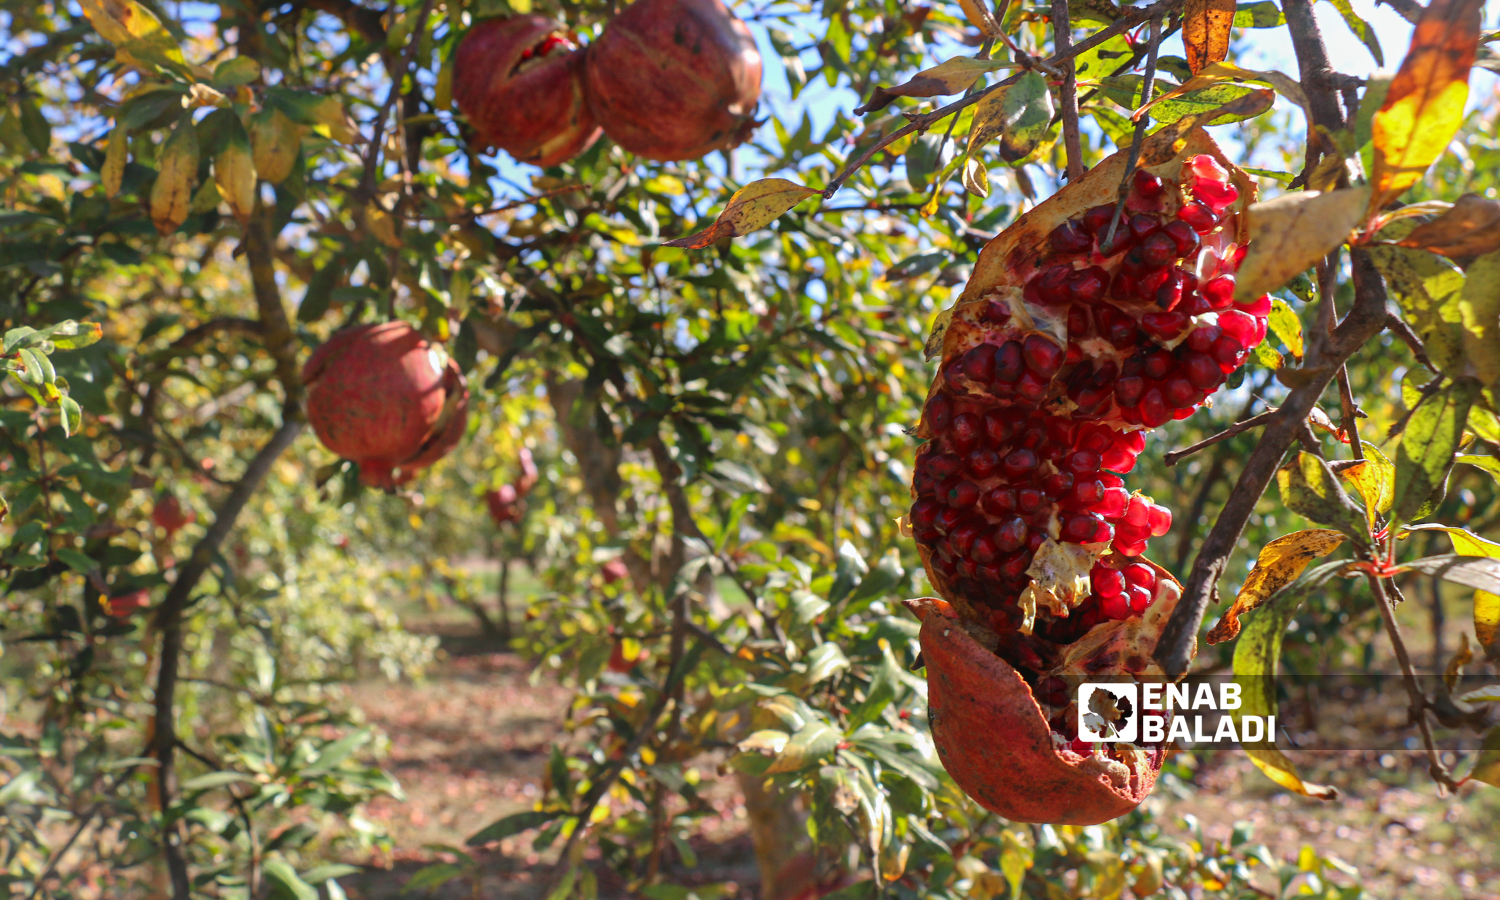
(815, 741)
(236, 71)
(1427, 447)
(1026, 112)
(879, 581)
(850, 571)
(1259, 15)
(72, 416)
(1479, 314)
(215, 779)
(1428, 288)
(1256, 657)
(1479, 572)
(512, 825)
(1284, 322)
(1310, 489)
(1361, 29)
(1488, 463)
(882, 689)
(79, 562)
(433, 876)
(824, 660)
(335, 752)
(285, 884)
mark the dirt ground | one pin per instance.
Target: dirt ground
(470, 744)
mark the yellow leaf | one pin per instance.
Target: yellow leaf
(382, 226)
(206, 198)
(329, 111)
(1487, 763)
(976, 179)
(1279, 564)
(1375, 479)
(1486, 604)
(234, 173)
(1292, 232)
(1285, 324)
(980, 17)
(752, 207)
(139, 37)
(1220, 72)
(172, 194)
(274, 144)
(442, 97)
(116, 153)
(1206, 25)
(1425, 104)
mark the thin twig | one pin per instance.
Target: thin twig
(1148, 84)
(1174, 457)
(921, 122)
(1062, 31)
(1398, 326)
(1418, 710)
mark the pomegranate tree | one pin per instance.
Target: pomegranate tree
(674, 79)
(168, 515)
(518, 80)
(386, 398)
(1068, 342)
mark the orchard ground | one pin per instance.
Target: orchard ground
(470, 745)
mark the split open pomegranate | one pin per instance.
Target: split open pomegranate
(518, 80)
(1069, 341)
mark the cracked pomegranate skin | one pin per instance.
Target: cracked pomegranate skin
(519, 80)
(385, 397)
(1068, 342)
(674, 79)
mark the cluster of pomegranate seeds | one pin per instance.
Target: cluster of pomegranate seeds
(552, 43)
(1030, 435)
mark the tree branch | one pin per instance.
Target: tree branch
(1062, 30)
(1418, 709)
(1174, 650)
(1255, 421)
(1127, 21)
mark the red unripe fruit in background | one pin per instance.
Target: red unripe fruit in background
(126, 605)
(518, 79)
(674, 79)
(384, 397)
(168, 514)
(614, 570)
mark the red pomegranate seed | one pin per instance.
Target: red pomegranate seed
(941, 465)
(1180, 393)
(1030, 500)
(997, 313)
(1032, 387)
(1019, 463)
(984, 551)
(1081, 462)
(963, 537)
(1011, 535)
(1058, 484)
(1161, 520)
(1042, 356)
(1183, 235)
(979, 363)
(1128, 391)
(924, 512)
(1203, 337)
(965, 432)
(1158, 250)
(1154, 409)
(1116, 608)
(1138, 515)
(1164, 325)
(1119, 458)
(1087, 494)
(949, 519)
(983, 463)
(1146, 185)
(1199, 216)
(1260, 307)
(1169, 295)
(1227, 352)
(996, 428)
(1202, 371)
(939, 413)
(1052, 284)
(1116, 501)
(1080, 528)
(1219, 292)
(1088, 285)
(1000, 501)
(1158, 364)
(1103, 534)
(1143, 226)
(1124, 288)
(1016, 564)
(1078, 322)
(1140, 575)
(1096, 220)
(1140, 599)
(1240, 326)
(962, 495)
(1194, 305)
(1106, 582)
(1008, 362)
(1111, 480)
(1069, 237)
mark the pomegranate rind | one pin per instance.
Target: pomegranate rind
(994, 739)
(674, 79)
(383, 396)
(536, 112)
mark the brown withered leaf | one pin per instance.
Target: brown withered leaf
(1279, 564)
(752, 208)
(1292, 232)
(1425, 104)
(1206, 25)
(951, 76)
(1470, 228)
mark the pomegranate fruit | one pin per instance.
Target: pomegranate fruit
(168, 514)
(123, 606)
(614, 571)
(620, 662)
(518, 79)
(674, 79)
(385, 397)
(504, 504)
(1067, 343)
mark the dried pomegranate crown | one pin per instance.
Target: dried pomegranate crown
(1070, 339)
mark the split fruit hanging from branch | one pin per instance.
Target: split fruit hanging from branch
(1064, 347)
(518, 79)
(386, 398)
